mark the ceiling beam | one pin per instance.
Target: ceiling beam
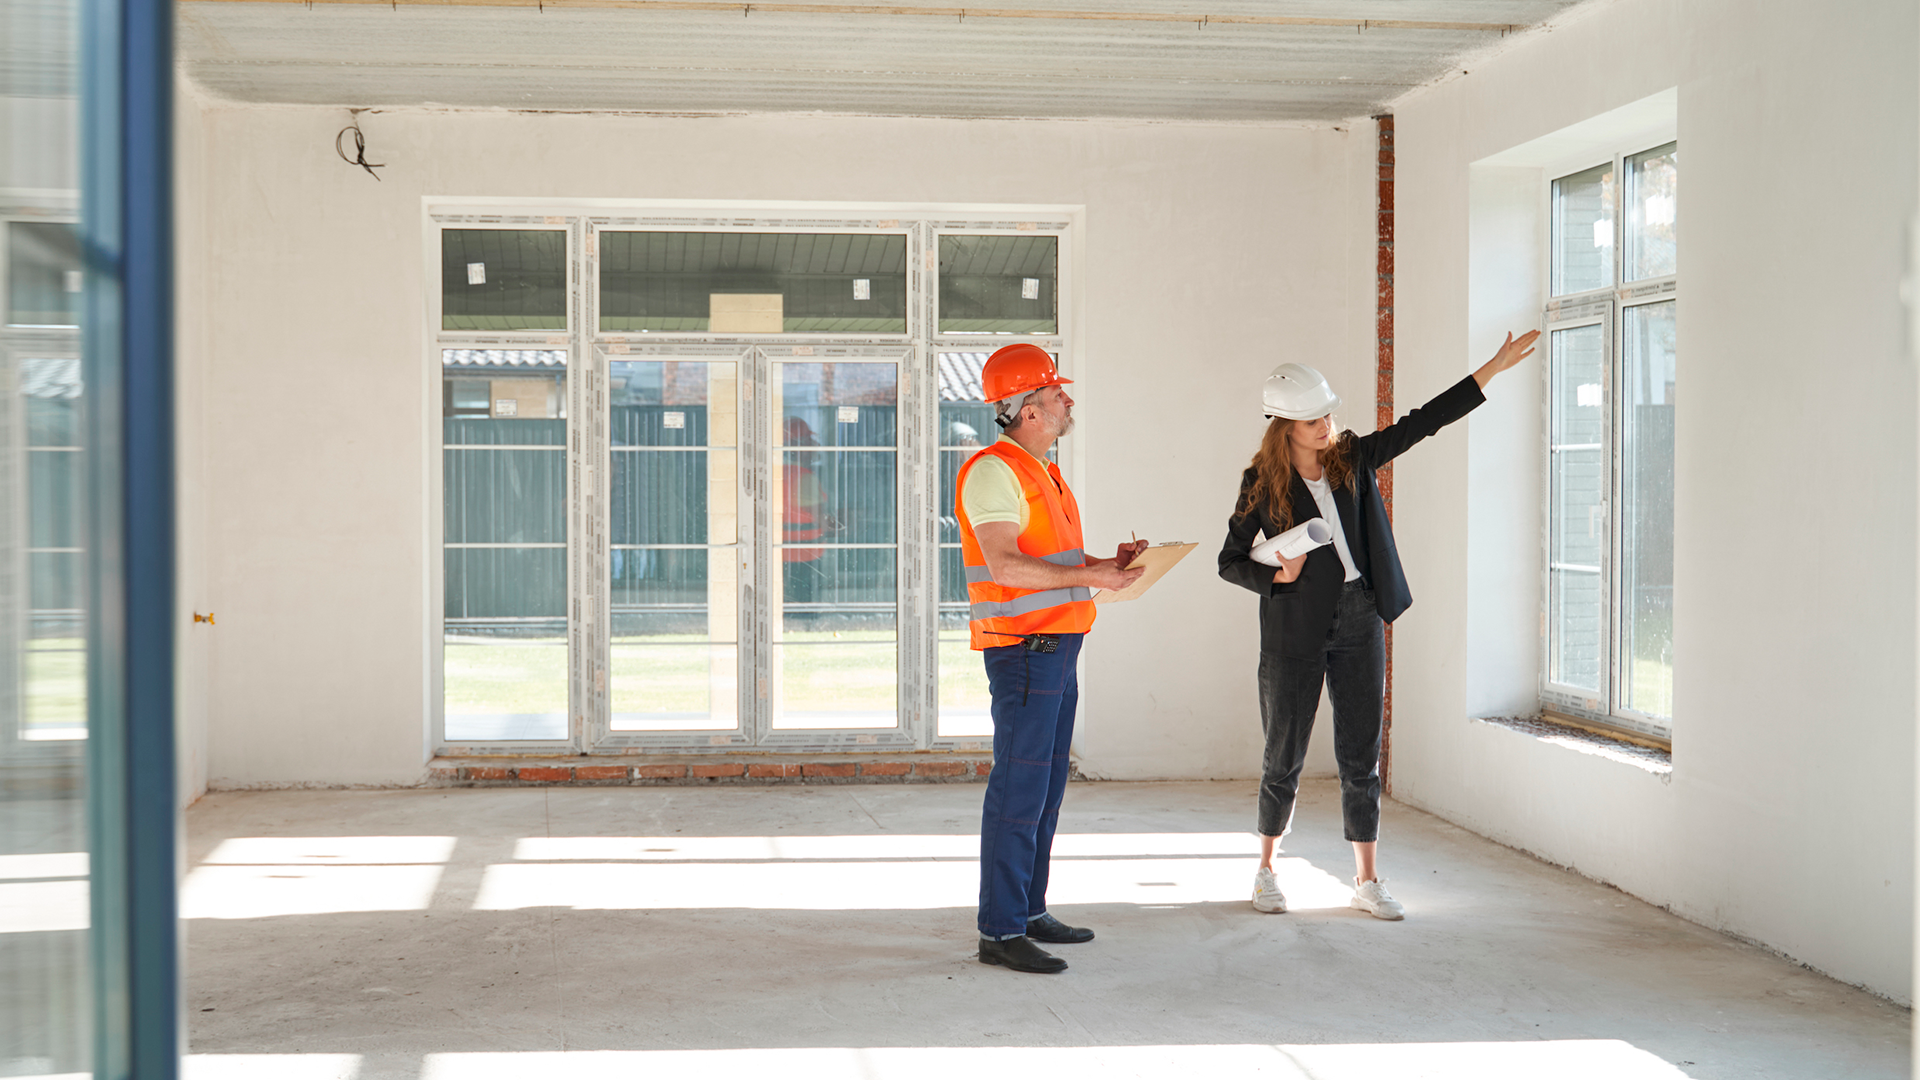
(958, 13)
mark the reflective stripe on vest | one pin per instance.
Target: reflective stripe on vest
(1021, 605)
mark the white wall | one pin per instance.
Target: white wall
(1211, 252)
(1789, 816)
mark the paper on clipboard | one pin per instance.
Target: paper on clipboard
(1157, 559)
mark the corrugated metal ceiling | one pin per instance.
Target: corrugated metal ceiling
(1048, 58)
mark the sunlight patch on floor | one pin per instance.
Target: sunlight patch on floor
(271, 1067)
(1565, 1060)
(890, 846)
(257, 877)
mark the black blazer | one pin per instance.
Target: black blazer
(1295, 616)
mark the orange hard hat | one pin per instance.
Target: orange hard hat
(1018, 369)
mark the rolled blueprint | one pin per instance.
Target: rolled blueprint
(1293, 543)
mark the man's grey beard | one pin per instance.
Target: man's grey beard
(1066, 426)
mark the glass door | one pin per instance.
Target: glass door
(834, 453)
(676, 562)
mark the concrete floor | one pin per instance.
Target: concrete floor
(661, 932)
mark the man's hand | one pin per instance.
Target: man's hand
(1126, 553)
(1109, 574)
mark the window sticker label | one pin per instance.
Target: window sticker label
(849, 414)
(674, 421)
(506, 406)
(477, 273)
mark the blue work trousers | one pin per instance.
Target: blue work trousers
(1034, 698)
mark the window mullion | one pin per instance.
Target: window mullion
(1610, 566)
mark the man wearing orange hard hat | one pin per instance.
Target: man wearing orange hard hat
(1030, 587)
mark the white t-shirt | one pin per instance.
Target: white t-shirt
(1323, 498)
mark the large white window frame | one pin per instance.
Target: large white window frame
(1609, 308)
(590, 352)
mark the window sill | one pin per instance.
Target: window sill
(1650, 759)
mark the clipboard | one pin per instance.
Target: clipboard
(1158, 559)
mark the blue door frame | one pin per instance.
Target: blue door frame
(127, 238)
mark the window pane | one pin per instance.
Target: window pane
(836, 657)
(1646, 509)
(1583, 231)
(1653, 185)
(51, 386)
(506, 684)
(503, 279)
(56, 680)
(51, 486)
(755, 282)
(504, 397)
(843, 404)
(999, 284)
(836, 649)
(55, 488)
(505, 496)
(43, 274)
(676, 480)
(506, 644)
(675, 639)
(504, 487)
(1576, 600)
(835, 498)
(659, 497)
(674, 402)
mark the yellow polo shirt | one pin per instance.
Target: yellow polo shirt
(992, 492)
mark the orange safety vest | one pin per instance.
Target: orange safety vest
(1000, 614)
(798, 522)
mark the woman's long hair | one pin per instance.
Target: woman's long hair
(1272, 466)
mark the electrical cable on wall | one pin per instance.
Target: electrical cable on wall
(359, 150)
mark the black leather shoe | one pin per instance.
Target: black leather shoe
(1054, 932)
(1020, 954)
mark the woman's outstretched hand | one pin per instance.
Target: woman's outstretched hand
(1511, 353)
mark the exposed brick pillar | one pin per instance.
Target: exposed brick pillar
(1383, 381)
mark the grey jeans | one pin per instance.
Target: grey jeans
(1353, 665)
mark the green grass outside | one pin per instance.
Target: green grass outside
(56, 685)
(672, 673)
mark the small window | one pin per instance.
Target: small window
(1583, 231)
(503, 279)
(999, 284)
(1652, 211)
(753, 283)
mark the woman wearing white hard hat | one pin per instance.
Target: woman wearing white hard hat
(1325, 601)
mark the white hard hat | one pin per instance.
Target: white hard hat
(1297, 392)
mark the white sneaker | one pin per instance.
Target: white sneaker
(1267, 896)
(1373, 898)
